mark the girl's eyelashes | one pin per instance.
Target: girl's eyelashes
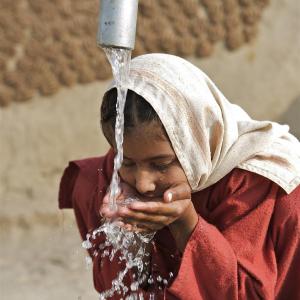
(161, 166)
(128, 164)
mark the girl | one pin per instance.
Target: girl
(221, 190)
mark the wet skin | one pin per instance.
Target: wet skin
(152, 173)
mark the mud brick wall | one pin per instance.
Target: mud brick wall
(47, 44)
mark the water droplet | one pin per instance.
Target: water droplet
(88, 260)
(134, 286)
(87, 244)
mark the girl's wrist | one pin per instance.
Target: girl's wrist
(183, 227)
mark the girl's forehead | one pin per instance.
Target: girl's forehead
(149, 131)
(146, 142)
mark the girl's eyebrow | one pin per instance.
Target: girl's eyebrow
(162, 156)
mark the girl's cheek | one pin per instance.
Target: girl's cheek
(126, 176)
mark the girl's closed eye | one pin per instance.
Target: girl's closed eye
(128, 163)
(162, 167)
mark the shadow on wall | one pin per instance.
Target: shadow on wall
(292, 117)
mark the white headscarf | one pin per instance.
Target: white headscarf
(209, 135)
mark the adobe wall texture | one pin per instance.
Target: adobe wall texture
(45, 45)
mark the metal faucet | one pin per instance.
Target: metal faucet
(117, 23)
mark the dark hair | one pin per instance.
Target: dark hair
(136, 111)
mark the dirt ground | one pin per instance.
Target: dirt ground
(44, 263)
(40, 254)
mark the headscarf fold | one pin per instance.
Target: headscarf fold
(209, 135)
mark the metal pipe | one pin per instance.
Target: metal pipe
(117, 23)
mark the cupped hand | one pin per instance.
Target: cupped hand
(126, 191)
(152, 214)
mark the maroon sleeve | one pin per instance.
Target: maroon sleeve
(67, 184)
(80, 188)
(286, 239)
(240, 260)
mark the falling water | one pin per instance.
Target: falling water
(120, 63)
(131, 248)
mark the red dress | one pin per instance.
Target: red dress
(246, 244)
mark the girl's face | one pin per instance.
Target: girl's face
(150, 164)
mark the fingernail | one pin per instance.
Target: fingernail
(169, 197)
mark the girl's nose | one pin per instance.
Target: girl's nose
(144, 182)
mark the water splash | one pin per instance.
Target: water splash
(125, 246)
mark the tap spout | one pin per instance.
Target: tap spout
(117, 23)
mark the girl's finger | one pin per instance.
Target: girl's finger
(139, 217)
(149, 207)
(120, 197)
(178, 192)
(106, 212)
(144, 226)
(172, 209)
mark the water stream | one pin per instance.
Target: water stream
(120, 63)
(128, 247)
